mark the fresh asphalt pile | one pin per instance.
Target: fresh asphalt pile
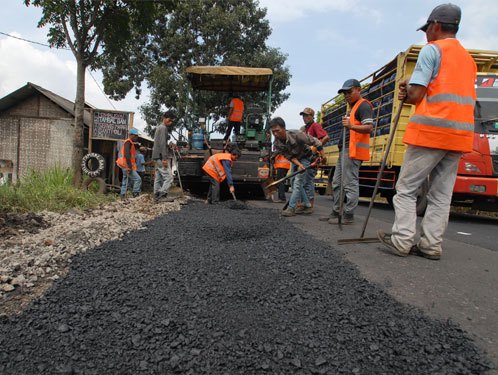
(212, 290)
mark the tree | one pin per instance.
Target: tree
(91, 29)
(196, 32)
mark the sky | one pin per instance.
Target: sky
(326, 41)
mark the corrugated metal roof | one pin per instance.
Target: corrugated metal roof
(31, 89)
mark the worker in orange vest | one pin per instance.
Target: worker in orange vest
(128, 164)
(356, 132)
(219, 168)
(235, 116)
(441, 129)
(282, 166)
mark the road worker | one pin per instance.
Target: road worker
(282, 166)
(235, 116)
(295, 146)
(219, 168)
(315, 130)
(161, 155)
(356, 130)
(127, 163)
(441, 129)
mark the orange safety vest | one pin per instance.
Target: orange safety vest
(214, 168)
(237, 110)
(281, 162)
(359, 143)
(122, 160)
(444, 119)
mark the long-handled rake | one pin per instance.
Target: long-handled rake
(362, 239)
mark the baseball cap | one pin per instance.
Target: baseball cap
(134, 131)
(444, 13)
(307, 111)
(169, 114)
(349, 84)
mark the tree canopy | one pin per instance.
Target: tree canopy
(195, 32)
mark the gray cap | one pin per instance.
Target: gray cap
(349, 84)
(444, 13)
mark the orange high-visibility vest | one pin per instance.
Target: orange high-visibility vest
(444, 119)
(237, 110)
(281, 162)
(359, 143)
(122, 160)
(214, 168)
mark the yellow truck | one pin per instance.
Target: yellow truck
(477, 180)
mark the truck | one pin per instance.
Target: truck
(252, 169)
(477, 181)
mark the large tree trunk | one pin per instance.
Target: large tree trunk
(79, 107)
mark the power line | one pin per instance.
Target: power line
(31, 41)
(67, 49)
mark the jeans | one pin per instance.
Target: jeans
(419, 163)
(298, 192)
(351, 183)
(131, 178)
(162, 178)
(309, 185)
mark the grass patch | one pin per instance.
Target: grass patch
(50, 190)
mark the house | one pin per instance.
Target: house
(36, 133)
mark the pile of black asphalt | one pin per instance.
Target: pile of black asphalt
(211, 290)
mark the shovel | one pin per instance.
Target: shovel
(237, 205)
(312, 165)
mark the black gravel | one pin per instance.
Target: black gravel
(210, 290)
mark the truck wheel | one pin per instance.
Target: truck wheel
(92, 164)
(95, 184)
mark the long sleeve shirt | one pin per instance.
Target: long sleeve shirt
(296, 145)
(228, 171)
(160, 151)
(127, 153)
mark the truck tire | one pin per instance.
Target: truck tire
(92, 164)
(95, 184)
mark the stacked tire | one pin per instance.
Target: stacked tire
(93, 165)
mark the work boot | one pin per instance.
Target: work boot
(326, 218)
(348, 219)
(122, 197)
(135, 195)
(386, 239)
(289, 212)
(303, 210)
(428, 254)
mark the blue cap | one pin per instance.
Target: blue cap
(134, 131)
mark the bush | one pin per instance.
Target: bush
(50, 190)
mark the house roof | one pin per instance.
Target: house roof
(31, 89)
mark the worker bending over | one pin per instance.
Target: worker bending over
(296, 147)
(219, 168)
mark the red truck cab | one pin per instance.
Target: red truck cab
(477, 180)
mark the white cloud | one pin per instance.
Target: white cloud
(53, 70)
(283, 11)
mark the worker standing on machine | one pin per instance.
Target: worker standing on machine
(235, 116)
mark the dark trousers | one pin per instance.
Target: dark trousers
(214, 191)
(232, 125)
(281, 173)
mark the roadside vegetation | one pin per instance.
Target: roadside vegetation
(50, 190)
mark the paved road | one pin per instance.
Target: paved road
(460, 287)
